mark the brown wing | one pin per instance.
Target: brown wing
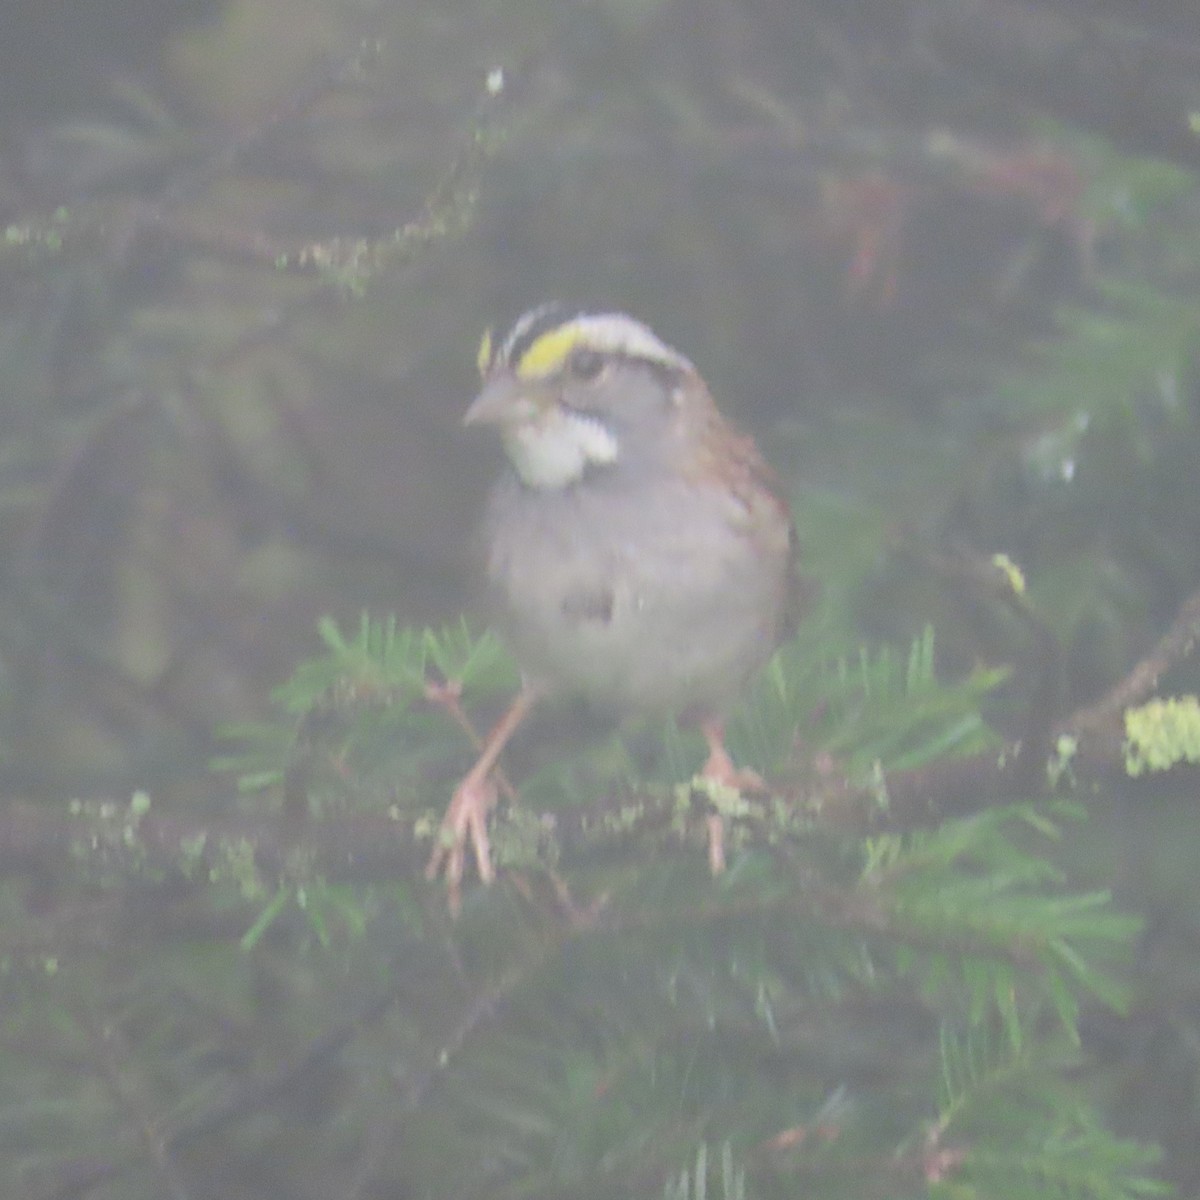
(731, 459)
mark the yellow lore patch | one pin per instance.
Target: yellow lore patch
(483, 360)
(546, 354)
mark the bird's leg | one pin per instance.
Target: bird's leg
(473, 799)
(720, 769)
(448, 697)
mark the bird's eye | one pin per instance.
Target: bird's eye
(586, 363)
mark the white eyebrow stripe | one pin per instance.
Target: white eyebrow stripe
(611, 333)
(619, 334)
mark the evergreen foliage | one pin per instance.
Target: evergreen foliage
(899, 1011)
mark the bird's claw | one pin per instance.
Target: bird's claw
(465, 822)
(720, 770)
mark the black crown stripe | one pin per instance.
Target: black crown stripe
(531, 326)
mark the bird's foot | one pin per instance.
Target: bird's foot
(719, 768)
(720, 771)
(465, 822)
(474, 798)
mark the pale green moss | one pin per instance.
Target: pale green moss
(426, 826)
(109, 837)
(1059, 766)
(523, 839)
(681, 808)
(624, 819)
(726, 800)
(138, 807)
(877, 786)
(191, 851)
(1013, 574)
(1162, 733)
(236, 864)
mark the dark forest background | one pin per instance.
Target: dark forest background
(941, 256)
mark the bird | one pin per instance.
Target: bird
(637, 550)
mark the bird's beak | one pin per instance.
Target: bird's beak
(506, 400)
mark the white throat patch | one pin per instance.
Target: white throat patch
(555, 450)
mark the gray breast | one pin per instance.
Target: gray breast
(655, 602)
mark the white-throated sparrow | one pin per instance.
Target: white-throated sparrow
(638, 550)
